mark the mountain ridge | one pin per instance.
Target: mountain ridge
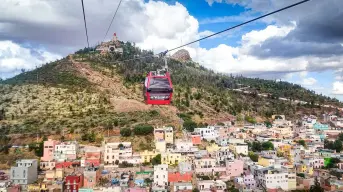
(86, 90)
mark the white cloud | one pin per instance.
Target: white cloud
(13, 58)
(309, 81)
(256, 37)
(337, 88)
(151, 25)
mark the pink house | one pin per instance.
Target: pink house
(234, 168)
(136, 190)
(49, 147)
(223, 132)
(91, 177)
(91, 158)
(159, 134)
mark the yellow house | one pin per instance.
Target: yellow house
(286, 151)
(169, 134)
(172, 158)
(302, 168)
(266, 161)
(38, 188)
(161, 145)
(59, 173)
(148, 155)
(212, 148)
(285, 148)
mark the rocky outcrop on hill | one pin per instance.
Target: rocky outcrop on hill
(182, 55)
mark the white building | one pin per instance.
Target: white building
(309, 121)
(184, 147)
(66, 151)
(161, 175)
(224, 154)
(209, 133)
(271, 178)
(315, 162)
(183, 186)
(205, 163)
(239, 148)
(210, 185)
(25, 172)
(185, 167)
(117, 151)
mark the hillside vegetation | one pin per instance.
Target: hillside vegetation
(85, 91)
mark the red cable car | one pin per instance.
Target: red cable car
(158, 88)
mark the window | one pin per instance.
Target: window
(24, 173)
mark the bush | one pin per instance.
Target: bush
(89, 137)
(125, 132)
(253, 156)
(143, 129)
(250, 119)
(156, 160)
(125, 164)
(189, 125)
(301, 175)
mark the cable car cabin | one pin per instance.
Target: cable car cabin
(158, 88)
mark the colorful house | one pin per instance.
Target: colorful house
(320, 127)
(234, 168)
(266, 161)
(49, 148)
(159, 134)
(172, 158)
(161, 145)
(196, 139)
(180, 177)
(148, 155)
(212, 148)
(73, 182)
(91, 177)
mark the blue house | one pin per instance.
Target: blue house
(320, 127)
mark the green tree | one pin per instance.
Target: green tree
(316, 187)
(267, 145)
(143, 129)
(156, 160)
(302, 142)
(125, 132)
(195, 190)
(256, 146)
(253, 156)
(189, 125)
(338, 145)
(340, 136)
(268, 123)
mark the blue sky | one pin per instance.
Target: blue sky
(303, 47)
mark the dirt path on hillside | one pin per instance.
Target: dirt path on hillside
(121, 98)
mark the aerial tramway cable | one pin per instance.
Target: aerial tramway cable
(84, 20)
(228, 29)
(115, 13)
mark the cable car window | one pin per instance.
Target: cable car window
(146, 82)
(159, 83)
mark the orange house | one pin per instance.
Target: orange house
(178, 177)
(196, 139)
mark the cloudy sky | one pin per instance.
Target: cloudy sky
(303, 45)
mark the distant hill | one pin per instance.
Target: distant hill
(86, 91)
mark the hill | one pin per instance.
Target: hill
(89, 92)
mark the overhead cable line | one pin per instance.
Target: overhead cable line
(279, 10)
(257, 18)
(115, 13)
(84, 19)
